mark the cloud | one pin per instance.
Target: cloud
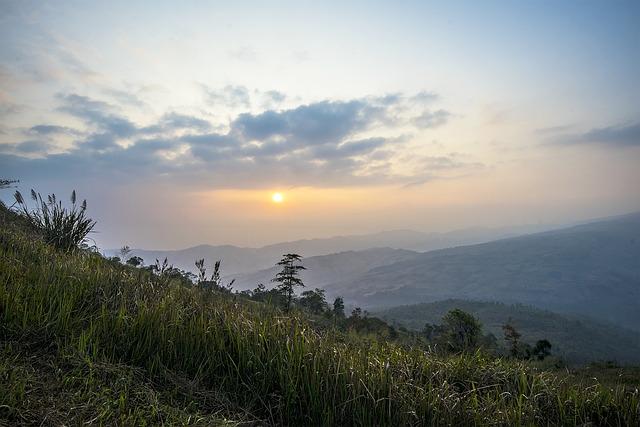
(316, 123)
(425, 97)
(614, 136)
(275, 96)
(553, 129)
(32, 146)
(272, 99)
(97, 113)
(452, 165)
(8, 109)
(124, 97)
(329, 142)
(243, 54)
(51, 130)
(432, 119)
(229, 96)
(349, 149)
(175, 121)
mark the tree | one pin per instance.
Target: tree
(260, 292)
(124, 252)
(461, 330)
(542, 349)
(489, 341)
(287, 278)
(314, 301)
(338, 307)
(512, 337)
(135, 261)
(431, 332)
(7, 183)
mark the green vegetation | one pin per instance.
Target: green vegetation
(64, 228)
(287, 279)
(7, 183)
(578, 340)
(90, 340)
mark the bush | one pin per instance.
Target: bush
(65, 228)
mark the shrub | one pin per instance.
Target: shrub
(62, 227)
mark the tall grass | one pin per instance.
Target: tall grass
(65, 228)
(273, 365)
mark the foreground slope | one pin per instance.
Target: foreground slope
(117, 337)
(591, 269)
(577, 340)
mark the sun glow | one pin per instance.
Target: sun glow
(277, 198)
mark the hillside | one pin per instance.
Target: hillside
(86, 341)
(240, 260)
(578, 340)
(591, 269)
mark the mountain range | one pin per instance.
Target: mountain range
(591, 269)
(241, 260)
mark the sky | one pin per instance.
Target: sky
(178, 121)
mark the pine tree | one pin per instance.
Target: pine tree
(287, 278)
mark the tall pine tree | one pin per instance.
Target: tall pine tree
(287, 278)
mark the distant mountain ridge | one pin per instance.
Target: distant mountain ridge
(324, 269)
(240, 260)
(591, 269)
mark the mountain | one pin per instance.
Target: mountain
(324, 269)
(240, 260)
(577, 339)
(591, 269)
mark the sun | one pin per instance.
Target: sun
(277, 198)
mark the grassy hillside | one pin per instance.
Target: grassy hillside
(590, 269)
(89, 341)
(576, 340)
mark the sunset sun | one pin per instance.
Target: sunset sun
(277, 198)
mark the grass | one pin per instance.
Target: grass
(65, 228)
(139, 338)
(42, 385)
